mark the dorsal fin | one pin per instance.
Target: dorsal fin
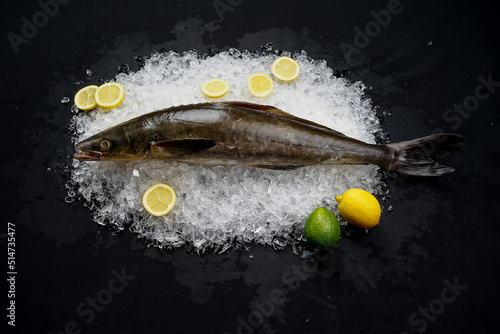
(278, 112)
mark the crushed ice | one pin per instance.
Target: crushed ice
(219, 207)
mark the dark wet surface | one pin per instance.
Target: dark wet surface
(408, 274)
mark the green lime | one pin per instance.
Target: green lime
(322, 228)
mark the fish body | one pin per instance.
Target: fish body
(256, 135)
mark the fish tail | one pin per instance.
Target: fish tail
(418, 157)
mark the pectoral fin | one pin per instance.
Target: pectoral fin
(180, 147)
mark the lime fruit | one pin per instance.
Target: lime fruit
(322, 228)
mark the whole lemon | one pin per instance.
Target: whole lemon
(322, 228)
(359, 207)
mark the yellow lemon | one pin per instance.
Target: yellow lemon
(215, 88)
(85, 98)
(260, 84)
(159, 199)
(359, 207)
(322, 228)
(285, 69)
(110, 95)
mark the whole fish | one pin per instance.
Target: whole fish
(259, 136)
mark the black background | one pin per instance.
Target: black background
(425, 60)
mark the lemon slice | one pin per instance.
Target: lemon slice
(159, 199)
(260, 84)
(85, 98)
(110, 95)
(285, 69)
(215, 88)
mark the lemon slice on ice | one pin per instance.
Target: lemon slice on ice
(85, 98)
(260, 84)
(285, 69)
(215, 88)
(159, 199)
(110, 95)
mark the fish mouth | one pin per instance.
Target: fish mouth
(85, 155)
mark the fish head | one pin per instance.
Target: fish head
(114, 144)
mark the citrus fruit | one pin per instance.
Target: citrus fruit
(260, 84)
(359, 207)
(285, 69)
(215, 88)
(322, 228)
(110, 95)
(159, 199)
(85, 98)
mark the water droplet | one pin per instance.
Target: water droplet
(306, 253)
(69, 199)
(390, 208)
(123, 68)
(297, 248)
(141, 61)
(65, 100)
(279, 243)
(430, 43)
(345, 73)
(235, 52)
(74, 109)
(210, 52)
(268, 47)
(88, 72)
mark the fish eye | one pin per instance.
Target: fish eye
(105, 144)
